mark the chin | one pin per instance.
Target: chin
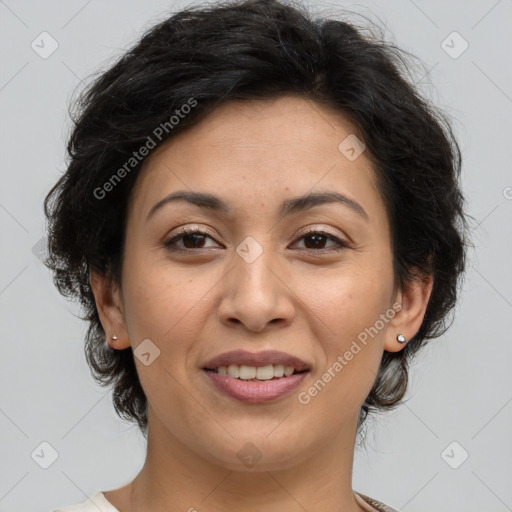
(256, 450)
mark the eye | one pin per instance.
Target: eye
(317, 240)
(192, 238)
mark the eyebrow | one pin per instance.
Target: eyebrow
(212, 203)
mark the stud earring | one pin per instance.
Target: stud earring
(114, 337)
(401, 338)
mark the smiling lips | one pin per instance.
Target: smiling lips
(256, 377)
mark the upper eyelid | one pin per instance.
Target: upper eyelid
(200, 229)
(315, 228)
(184, 230)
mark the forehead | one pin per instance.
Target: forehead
(258, 150)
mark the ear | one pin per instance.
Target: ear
(407, 321)
(110, 309)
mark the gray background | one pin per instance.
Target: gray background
(461, 387)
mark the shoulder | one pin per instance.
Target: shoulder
(95, 503)
(376, 506)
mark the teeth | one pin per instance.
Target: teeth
(265, 372)
(278, 370)
(233, 371)
(252, 372)
(247, 372)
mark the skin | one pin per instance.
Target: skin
(196, 305)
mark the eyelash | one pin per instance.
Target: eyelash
(188, 231)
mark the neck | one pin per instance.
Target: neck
(174, 478)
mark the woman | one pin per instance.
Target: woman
(263, 222)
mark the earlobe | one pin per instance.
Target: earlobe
(110, 311)
(407, 321)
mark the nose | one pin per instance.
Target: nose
(255, 295)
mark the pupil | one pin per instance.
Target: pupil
(193, 239)
(196, 240)
(317, 238)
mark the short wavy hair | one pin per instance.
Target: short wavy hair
(257, 49)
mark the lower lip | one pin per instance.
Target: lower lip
(254, 392)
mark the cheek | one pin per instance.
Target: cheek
(164, 300)
(346, 308)
(345, 302)
(350, 349)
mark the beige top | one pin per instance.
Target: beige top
(99, 503)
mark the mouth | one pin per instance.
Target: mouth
(256, 377)
(256, 373)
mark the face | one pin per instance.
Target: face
(306, 281)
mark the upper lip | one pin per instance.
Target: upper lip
(257, 359)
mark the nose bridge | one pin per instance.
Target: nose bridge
(254, 293)
(253, 273)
